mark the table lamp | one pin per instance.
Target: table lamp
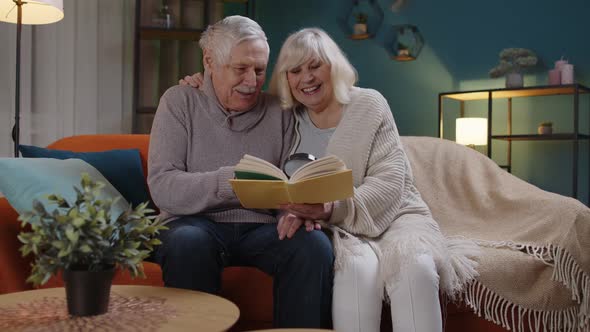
(27, 12)
(471, 131)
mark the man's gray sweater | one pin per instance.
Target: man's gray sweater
(195, 143)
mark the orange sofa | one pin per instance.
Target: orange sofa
(249, 288)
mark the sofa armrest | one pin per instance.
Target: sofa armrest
(14, 269)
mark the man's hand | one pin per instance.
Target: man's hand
(196, 81)
(310, 211)
(289, 224)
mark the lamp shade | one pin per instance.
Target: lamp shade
(472, 131)
(34, 11)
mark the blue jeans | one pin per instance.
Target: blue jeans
(195, 250)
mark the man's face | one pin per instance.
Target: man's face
(238, 83)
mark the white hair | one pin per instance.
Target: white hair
(221, 37)
(304, 45)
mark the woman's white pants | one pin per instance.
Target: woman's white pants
(357, 298)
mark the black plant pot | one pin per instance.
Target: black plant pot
(88, 292)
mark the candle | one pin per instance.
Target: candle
(560, 63)
(567, 74)
(554, 77)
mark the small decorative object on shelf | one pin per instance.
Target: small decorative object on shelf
(514, 80)
(407, 42)
(402, 50)
(360, 27)
(563, 73)
(512, 63)
(363, 19)
(567, 74)
(86, 242)
(163, 18)
(554, 76)
(545, 128)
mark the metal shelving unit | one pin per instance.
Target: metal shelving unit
(573, 90)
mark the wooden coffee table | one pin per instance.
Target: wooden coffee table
(131, 308)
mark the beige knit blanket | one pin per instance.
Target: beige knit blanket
(535, 263)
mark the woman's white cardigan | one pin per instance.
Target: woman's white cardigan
(386, 209)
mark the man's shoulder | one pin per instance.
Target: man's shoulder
(181, 91)
(181, 100)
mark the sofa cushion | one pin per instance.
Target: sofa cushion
(26, 179)
(122, 168)
(14, 269)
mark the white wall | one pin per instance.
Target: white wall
(76, 75)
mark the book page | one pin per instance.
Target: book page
(249, 165)
(321, 189)
(323, 166)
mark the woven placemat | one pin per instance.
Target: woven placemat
(126, 314)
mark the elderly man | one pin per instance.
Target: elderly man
(197, 136)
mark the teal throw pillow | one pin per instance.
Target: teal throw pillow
(121, 167)
(23, 180)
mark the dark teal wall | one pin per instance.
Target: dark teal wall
(462, 42)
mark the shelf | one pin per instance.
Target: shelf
(147, 33)
(146, 110)
(403, 58)
(360, 36)
(520, 92)
(576, 93)
(535, 137)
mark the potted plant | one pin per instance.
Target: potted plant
(402, 50)
(513, 61)
(86, 242)
(360, 27)
(545, 128)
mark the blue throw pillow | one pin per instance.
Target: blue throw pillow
(121, 167)
(23, 180)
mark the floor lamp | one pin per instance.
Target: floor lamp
(27, 12)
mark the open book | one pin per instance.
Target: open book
(261, 185)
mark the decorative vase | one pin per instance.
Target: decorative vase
(360, 29)
(88, 292)
(545, 130)
(514, 80)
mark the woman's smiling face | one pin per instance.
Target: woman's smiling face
(311, 84)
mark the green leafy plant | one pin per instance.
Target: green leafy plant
(361, 18)
(85, 236)
(514, 60)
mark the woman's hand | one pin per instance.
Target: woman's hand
(196, 80)
(310, 211)
(289, 224)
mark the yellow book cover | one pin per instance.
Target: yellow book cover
(261, 185)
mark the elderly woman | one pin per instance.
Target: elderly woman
(384, 236)
(385, 239)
